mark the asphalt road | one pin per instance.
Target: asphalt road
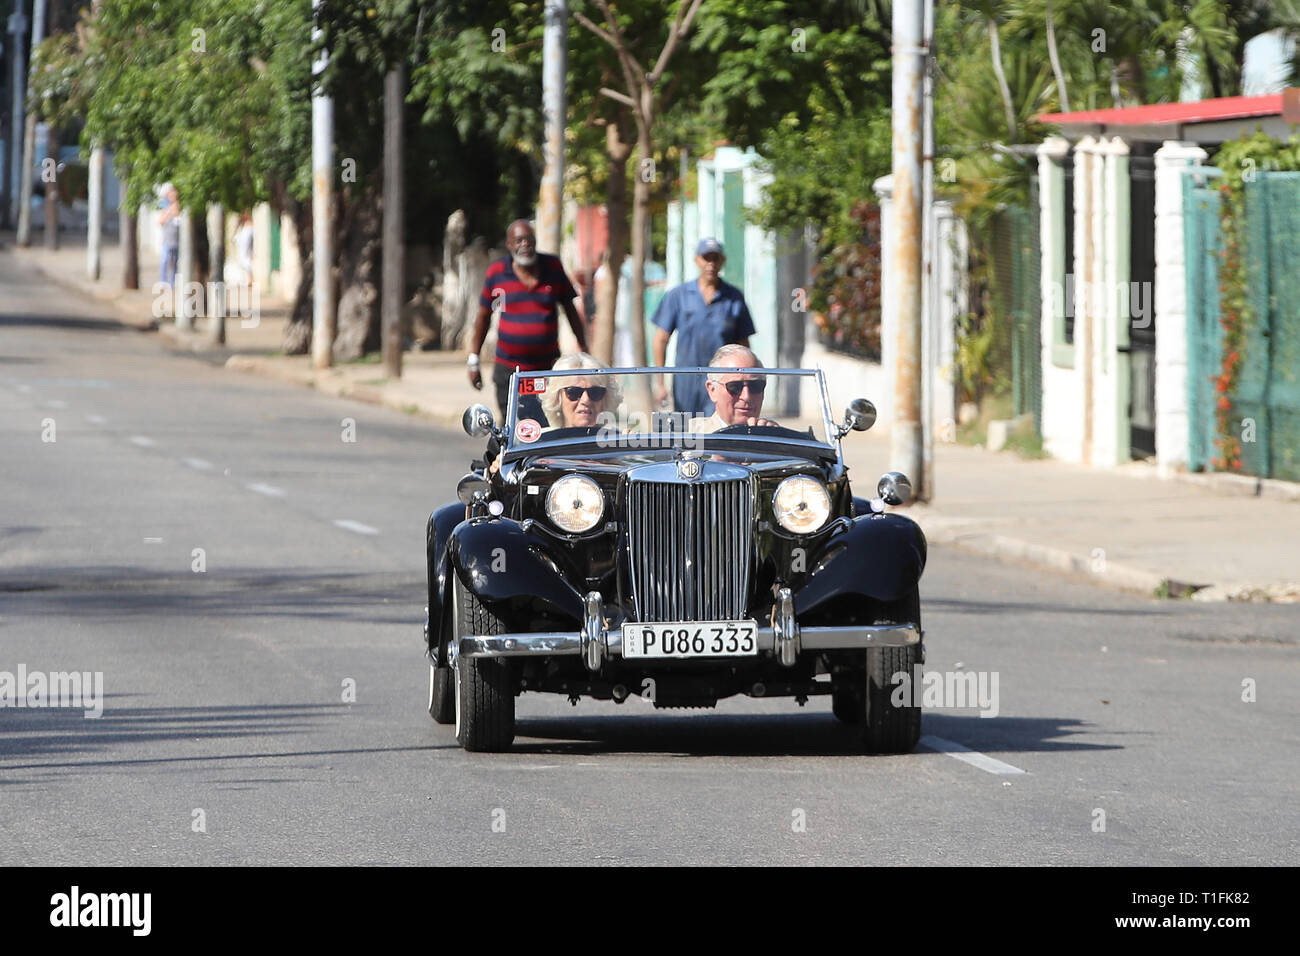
(224, 687)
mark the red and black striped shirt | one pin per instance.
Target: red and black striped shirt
(528, 329)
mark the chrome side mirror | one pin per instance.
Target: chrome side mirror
(858, 417)
(478, 421)
(894, 488)
(861, 415)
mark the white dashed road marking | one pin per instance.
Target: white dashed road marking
(350, 525)
(198, 464)
(966, 755)
(142, 441)
(269, 490)
(96, 419)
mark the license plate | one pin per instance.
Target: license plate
(691, 639)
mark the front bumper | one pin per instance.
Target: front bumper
(595, 644)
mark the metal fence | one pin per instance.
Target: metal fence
(1016, 350)
(1265, 405)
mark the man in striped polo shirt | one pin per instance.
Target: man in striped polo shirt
(525, 288)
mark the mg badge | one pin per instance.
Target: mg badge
(688, 468)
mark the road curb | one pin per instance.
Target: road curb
(1244, 485)
(126, 312)
(942, 530)
(329, 382)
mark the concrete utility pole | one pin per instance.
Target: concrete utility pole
(95, 212)
(51, 187)
(905, 448)
(394, 270)
(929, 341)
(184, 305)
(324, 316)
(550, 203)
(14, 161)
(24, 237)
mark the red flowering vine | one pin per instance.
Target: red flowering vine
(1234, 316)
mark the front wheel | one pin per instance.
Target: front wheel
(485, 691)
(893, 724)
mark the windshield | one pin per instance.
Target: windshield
(630, 408)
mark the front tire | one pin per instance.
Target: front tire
(484, 707)
(892, 728)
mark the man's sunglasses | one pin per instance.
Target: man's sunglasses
(756, 386)
(574, 392)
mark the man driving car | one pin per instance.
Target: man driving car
(737, 396)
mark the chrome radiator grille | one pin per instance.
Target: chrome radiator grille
(690, 549)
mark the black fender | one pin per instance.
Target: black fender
(880, 557)
(511, 571)
(442, 523)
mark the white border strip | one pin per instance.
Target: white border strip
(269, 490)
(966, 755)
(349, 525)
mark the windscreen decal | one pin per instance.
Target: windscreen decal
(528, 430)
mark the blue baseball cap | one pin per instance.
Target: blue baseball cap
(709, 245)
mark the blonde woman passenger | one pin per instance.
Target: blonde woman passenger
(577, 401)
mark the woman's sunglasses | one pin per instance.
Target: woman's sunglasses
(756, 386)
(574, 392)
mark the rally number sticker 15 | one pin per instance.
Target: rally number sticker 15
(691, 639)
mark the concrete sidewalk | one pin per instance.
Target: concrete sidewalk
(1208, 537)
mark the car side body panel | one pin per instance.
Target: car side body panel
(880, 557)
(512, 570)
(442, 523)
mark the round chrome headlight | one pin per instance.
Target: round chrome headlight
(575, 504)
(802, 504)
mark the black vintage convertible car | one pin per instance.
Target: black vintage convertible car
(610, 546)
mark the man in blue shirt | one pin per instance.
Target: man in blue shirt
(706, 313)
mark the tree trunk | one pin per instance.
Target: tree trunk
(640, 210)
(453, 296)
(128, 221)
(297, 333)
(199, 238)
(1054, 55)
(618, 149)
(394, 233)
(359, 252)
(640, 216)
(52, 189)
(1007, 106)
